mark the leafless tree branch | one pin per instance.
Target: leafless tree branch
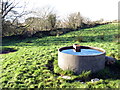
(8, 7)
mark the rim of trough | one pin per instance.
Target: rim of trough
(83, 47)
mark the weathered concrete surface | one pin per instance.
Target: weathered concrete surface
(79, 63)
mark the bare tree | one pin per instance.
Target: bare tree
(44, 19)
(52, 21)
(11, 12)
(44, 12)
(74, 20)
(8, 10)
(87, 21)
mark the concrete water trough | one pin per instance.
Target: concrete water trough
(81, 58)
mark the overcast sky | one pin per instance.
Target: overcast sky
(93, 9)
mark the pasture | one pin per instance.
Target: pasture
(33, 62)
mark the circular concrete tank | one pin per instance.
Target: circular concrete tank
(79, 63)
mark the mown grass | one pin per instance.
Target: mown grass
(34, 64)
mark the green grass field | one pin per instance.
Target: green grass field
(34, 63)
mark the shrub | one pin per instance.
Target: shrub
(39, 35)
(8, 29)
(74, 21)
(52, 21)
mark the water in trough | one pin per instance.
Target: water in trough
(83, 52)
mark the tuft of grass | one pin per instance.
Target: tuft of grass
(84, 76)
(80, 39)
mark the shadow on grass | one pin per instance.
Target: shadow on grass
(5, 50)
(33, 41)
(109, 72)
(53, 40)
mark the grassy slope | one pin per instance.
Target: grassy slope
(35, 63)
